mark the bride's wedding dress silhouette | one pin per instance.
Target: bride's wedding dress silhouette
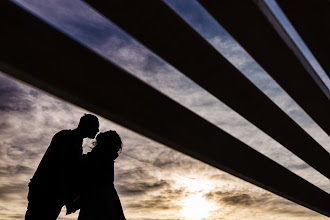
(99, 199)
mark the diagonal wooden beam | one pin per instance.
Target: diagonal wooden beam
(40, 55)
(154, 24)
(311, 19)
(254, 26)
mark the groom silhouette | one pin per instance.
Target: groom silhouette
(55, 180)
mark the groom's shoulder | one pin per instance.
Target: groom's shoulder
(63, 134)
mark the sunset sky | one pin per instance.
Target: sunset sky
(153, 180)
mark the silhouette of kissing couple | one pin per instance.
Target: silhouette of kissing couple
(67, 177)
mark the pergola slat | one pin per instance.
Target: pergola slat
(155, 25)
(311, 19)
(36, 53)
(254, 26)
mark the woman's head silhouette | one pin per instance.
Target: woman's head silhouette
(108, 142)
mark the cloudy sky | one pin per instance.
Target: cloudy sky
(153, 181)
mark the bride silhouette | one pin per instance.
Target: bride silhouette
(99, 198)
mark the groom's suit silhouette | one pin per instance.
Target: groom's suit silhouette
(55, 180)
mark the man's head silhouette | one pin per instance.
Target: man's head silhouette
(88, 126)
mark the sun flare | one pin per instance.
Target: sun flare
(196, 207)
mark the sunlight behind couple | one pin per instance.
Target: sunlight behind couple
(196, 207)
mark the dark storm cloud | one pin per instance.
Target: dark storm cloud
(19, 169)
(15, 152)
(151, 204)
(173, 194)
(3, 208)
(3, 171)
(10, 216)
(222, 176)
(299, 166)
(176, 165)
(6, 190)
(17, 216)
(137, 173)
(4, 125)
(138, 188)
(265, 201)
(242, 199)
(155, 203)
(182, 165)
(163, 158)
(12, 98)
(239, 198)
(164, 163)
(169, 159)
(20, 153)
